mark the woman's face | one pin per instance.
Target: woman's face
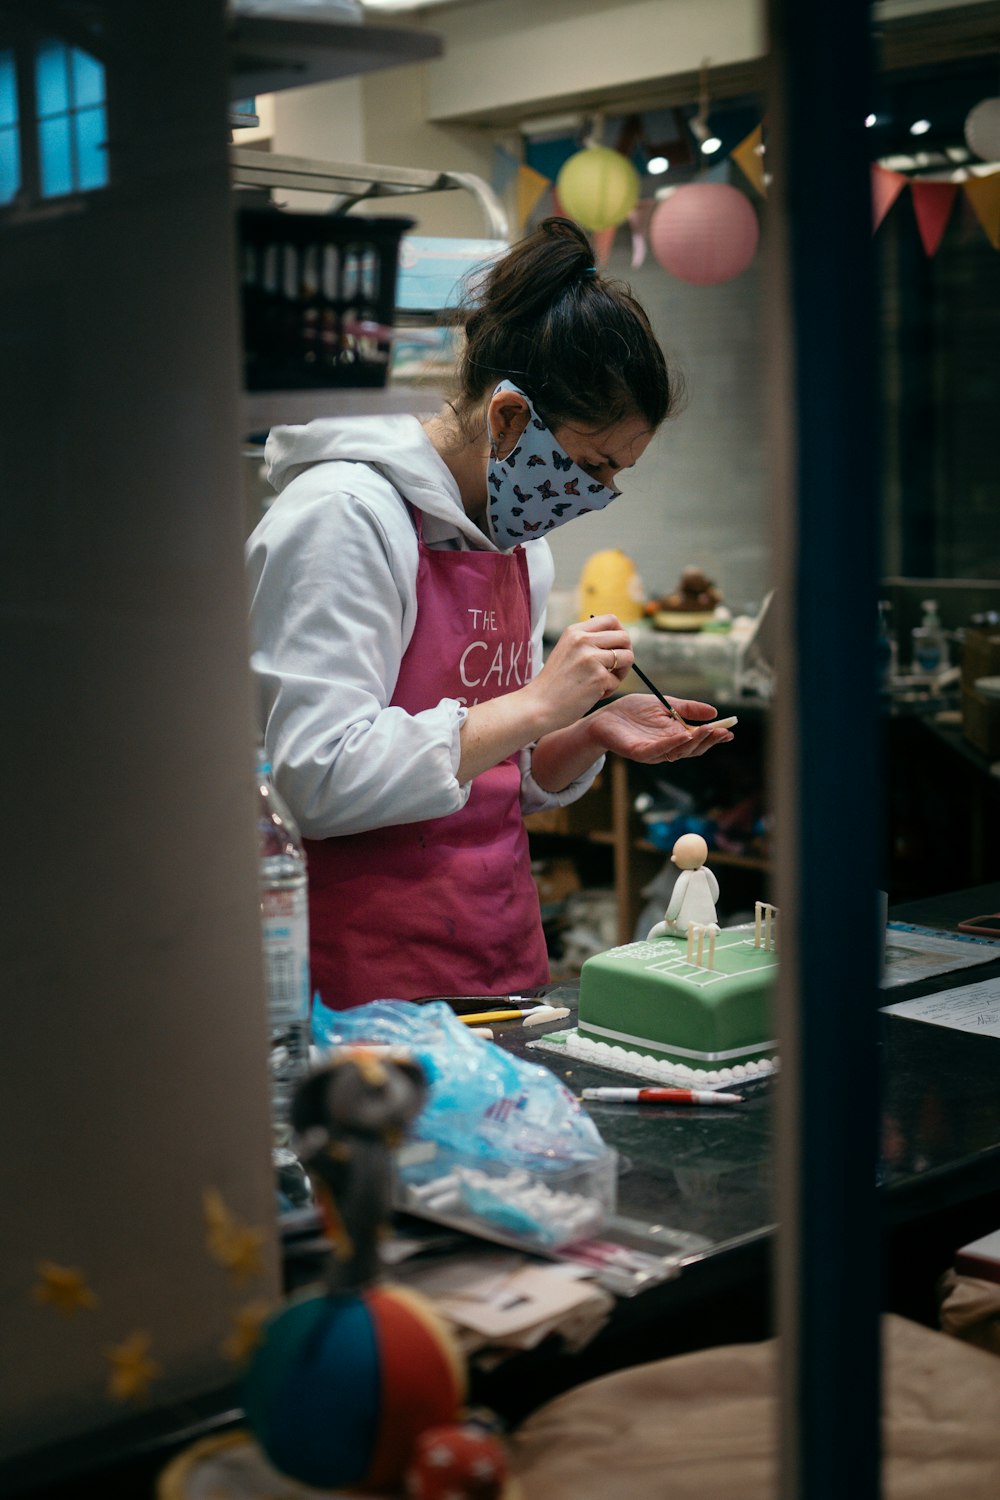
(605, 451)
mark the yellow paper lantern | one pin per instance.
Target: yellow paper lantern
(598, 187)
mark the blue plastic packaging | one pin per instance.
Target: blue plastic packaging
(484, 1104)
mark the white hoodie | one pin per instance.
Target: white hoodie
(333, 568)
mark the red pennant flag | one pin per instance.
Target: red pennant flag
(603, 239)
(886, 188)
(932, 205)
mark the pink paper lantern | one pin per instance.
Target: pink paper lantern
(704, 233)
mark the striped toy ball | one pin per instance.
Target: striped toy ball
(342, 1386)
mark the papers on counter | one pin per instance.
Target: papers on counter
(913, 953)
(972, 1007)
(499, 1300)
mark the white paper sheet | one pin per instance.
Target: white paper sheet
(972, 1007)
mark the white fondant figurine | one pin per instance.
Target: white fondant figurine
(696, 890)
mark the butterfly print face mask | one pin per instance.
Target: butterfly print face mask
(537, 486)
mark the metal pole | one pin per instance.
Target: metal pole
(824, 759)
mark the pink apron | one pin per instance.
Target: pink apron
(446, 906)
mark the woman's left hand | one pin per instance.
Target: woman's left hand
(638, 727)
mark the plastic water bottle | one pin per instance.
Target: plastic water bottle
(285, 930)
(930, 644)
(888, 664)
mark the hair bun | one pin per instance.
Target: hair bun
(575, 342)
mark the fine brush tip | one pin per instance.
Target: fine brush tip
(657, 694)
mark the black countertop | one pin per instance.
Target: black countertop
(699, 1182)
(696, 1184)
(707, 1172)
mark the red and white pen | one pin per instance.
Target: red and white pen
(661, 1096)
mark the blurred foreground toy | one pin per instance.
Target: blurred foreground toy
(346, 1380)
(343, 1386)
(457, 1463)
(348, 1118)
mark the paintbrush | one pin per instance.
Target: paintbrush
(657, 694)
(715, 724)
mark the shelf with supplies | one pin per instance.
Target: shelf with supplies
(354, 182)
(335, 319)
(606, 818)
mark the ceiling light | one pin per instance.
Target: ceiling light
(401, 4)
(657, 164)
(920, 127)
(711, 145)
(552, 125)
(871, 120)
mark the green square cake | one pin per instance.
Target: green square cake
(653, 999)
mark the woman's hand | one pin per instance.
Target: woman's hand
(639, 728)
(588, 662)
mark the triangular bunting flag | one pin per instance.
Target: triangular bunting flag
(530, 187)
(504, 167)
(932, 205)
(602, 240)
(984, 195)
(749, 157)
(886, 188)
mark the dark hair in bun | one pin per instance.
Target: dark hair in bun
(574, 342)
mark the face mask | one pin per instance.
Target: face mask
(537, 486)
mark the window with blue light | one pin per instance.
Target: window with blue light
(72, 120)
(10, 130)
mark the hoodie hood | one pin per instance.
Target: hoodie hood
(396, 447)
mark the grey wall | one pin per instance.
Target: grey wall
(700, 492)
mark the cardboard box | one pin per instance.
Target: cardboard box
(981, 722)
(589, 815)
(980, 656)
(555, 880)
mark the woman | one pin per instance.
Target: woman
(398, 600)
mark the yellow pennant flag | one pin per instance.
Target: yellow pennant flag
(749, 157)
(984, 195)
(530, 187)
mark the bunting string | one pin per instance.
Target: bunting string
(933, 200)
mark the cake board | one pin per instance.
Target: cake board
(569, 1043)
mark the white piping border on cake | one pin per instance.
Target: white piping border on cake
(571, 1043)
(622, 1038)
